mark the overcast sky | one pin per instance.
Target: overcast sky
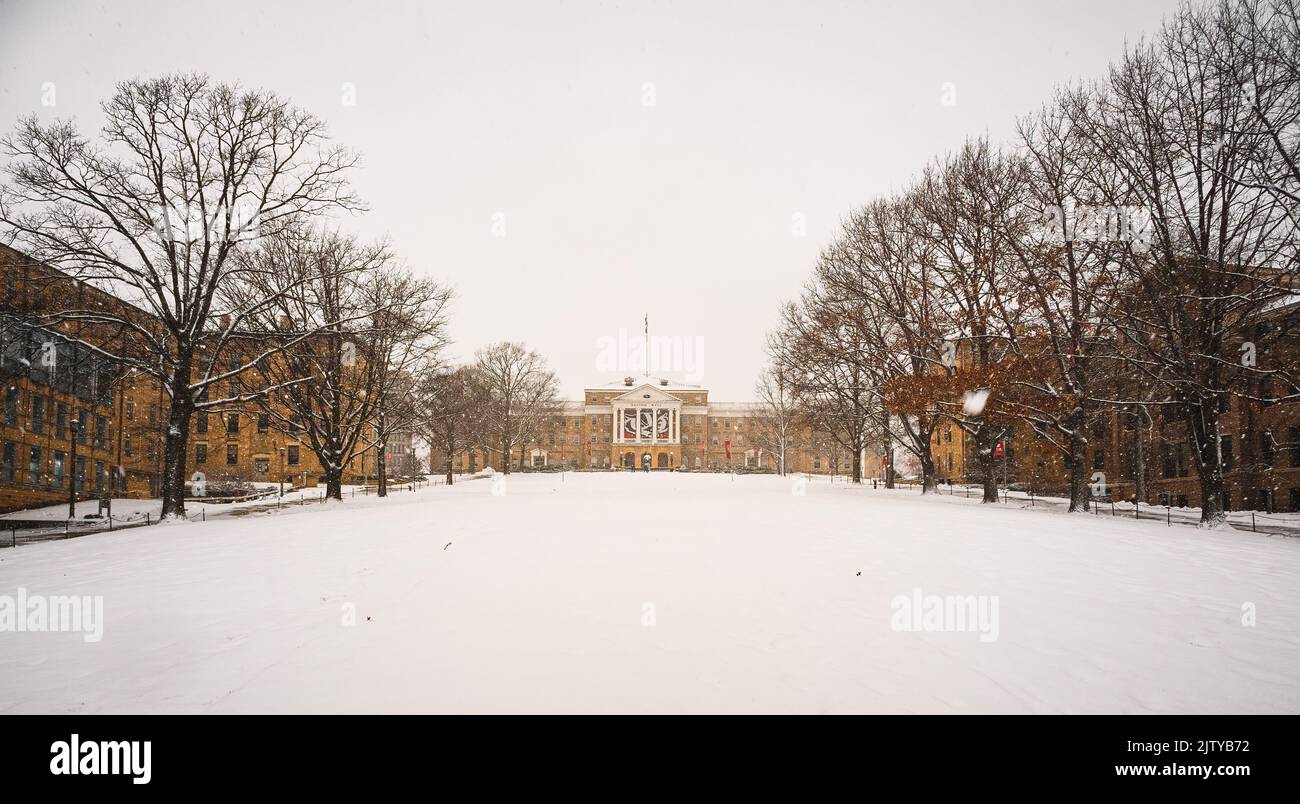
(572, 166)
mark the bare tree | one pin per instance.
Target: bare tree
(324, 381)
(1182, 133)
(778, 418)
(452, 408)
(405, 331)
(521, 392)
(961, 202)
(185, 173)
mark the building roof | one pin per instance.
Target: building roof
(663, 383)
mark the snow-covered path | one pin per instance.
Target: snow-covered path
(658, 593)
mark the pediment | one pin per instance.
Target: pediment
(646, 394)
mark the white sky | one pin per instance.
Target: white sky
(612, 208)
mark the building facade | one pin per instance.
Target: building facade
(639, 423)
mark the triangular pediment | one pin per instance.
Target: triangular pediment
(645, 394)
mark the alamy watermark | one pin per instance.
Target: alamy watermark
(946, 613)
(628, 353)
(53, 613)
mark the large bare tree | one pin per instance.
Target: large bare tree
(184, 174)
(522, 395)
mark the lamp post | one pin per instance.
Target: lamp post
(281, 471)
(75, 426)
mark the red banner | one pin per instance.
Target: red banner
(998, 449)
(727, 444)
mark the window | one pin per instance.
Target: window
(126, 443)
(61, 421)
(1099, 459)
(59, 461)
(101, 432)
(232, 454)
(83, 420)
(11, 406)
(34, 466)
(1225, 447)
(200, 453)
(39, 405)
(263, 422)
(80, 477)
(292, 454)
(232, 423)
(130, 410)
(99, 477)
(201, 426)
(1267, 448)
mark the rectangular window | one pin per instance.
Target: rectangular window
(232, 423)
(99, 477)
(232, 454)
(200, 453)
(83, 421)
(7, 465)
(11, 406)
(130, 410)
(39, 405)
(201, 425)
(1267, 448)
(81, 474)
(101, 432)
(1225, 447)
(59, 460)
(263, 422)
(34, 466)
(292, 454)
(1099, 459)
(126, 443)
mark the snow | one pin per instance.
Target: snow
(659, 592)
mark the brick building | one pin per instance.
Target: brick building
(57, 378)
(645, 421)
(1260, 443)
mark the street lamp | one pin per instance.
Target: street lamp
(75, 426)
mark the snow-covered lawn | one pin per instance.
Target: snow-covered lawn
(659, 593)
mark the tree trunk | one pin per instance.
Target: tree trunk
(334, 485)
(1139, 460)
(929, 482)
(381, 467)
(1203, 433)
(985, 438)
(1079, 488)
(451, 453)
(175, 444)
